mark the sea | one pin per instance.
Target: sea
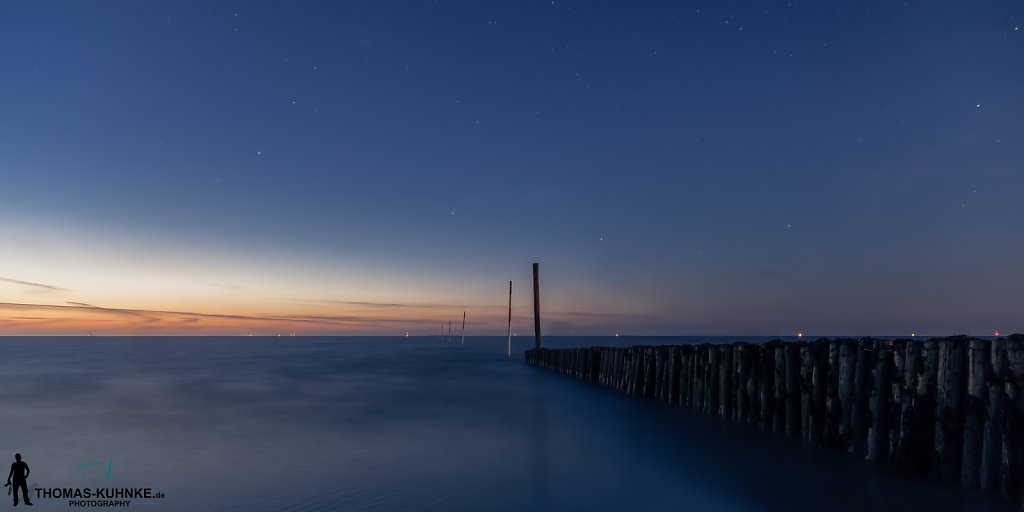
(395, 424)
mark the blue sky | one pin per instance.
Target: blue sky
(676, 167)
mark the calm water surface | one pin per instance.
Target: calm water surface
(399, 424)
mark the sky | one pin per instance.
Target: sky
(676, 168)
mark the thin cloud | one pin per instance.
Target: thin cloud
(407, 306)
(35, 286)
(156, 315)
(389, 304)
(227, 286)
(607, 316)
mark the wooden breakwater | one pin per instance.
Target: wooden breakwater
(950, 408)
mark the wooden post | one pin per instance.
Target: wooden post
(711, 379)
(685, 375)
(766, 387)
(1012, 470)
(878, 403)
(510, 318)
(806, 390)
(991, 448)
(660, 362)
(697, 378)
(639, 369)
(744, 385)
(847, 376)
(627, 368)
(537, 303)
(976, 405)
(861, 395)
(819, 389)
(833, 407)
(636, 370)
(923, 445)
(909, 356)
(753, 380)
(898, 392)
(675, 369)
(650, 372)
(779, 388)
(726, 376)
(949, 403)
(464, 328)
(793, 390)
(622, 370)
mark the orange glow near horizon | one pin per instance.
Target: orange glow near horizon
(87, 319)
(117, 287)
(325, 318)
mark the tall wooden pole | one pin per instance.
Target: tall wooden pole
(510, 318)
(536, 302)
(463, 327)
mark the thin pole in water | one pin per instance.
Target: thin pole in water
(449, 330)
(536, 302)
(510, 318)
(463, 327)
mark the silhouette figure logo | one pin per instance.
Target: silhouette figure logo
(100, 487)
(19, 475)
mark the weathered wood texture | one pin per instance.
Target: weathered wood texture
(951, 408)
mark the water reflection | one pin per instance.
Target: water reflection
(400, 424)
